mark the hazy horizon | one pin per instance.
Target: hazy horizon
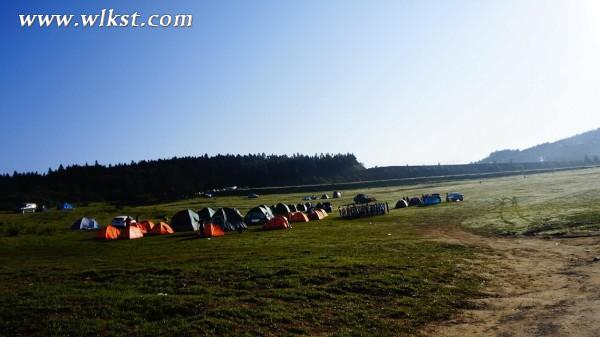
(394, 82)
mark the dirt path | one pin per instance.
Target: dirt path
(539, 287)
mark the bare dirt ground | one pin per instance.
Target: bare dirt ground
(538, 287)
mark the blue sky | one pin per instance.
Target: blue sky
(395, 82)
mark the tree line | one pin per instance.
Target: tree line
(152, 181)
(169, 179)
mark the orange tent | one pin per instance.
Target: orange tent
(108, 233)
(317, 214)
(210, 230)
(131, 232)
(141, 227)
(146, 226)
(278, 222)
(162, 228)
(298, 217)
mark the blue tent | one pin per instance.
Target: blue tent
(433, 199)
(85, 224)
(66, 206)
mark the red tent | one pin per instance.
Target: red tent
(210, 230)
(298, 217)
(146, 226)
(317, 214)
(108, 233)
(131, 232)
(278, 222)
(162, 228)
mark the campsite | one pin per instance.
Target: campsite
(407, 272)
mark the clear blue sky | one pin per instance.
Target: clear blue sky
(394, 82)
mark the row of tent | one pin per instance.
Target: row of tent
(230, 219)
(206, 221)
(135, 230)
(424, 200)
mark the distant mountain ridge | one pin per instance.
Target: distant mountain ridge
(584, 147)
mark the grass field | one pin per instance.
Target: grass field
(380, 276)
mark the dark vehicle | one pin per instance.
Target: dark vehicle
(363, 199)
(454, 197)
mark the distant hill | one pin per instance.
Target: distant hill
(583, 147)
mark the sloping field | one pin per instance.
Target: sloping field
(383, 276)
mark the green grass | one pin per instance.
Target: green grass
(368, 277)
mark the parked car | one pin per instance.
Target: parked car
(205, 195)
(121, 221)
(454, 196)
(253, 196)
(29, 207)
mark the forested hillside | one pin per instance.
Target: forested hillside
(167, 179)
(582, 147)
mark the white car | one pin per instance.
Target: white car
(28, 208)
(121, 221)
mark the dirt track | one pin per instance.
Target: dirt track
(539, 287)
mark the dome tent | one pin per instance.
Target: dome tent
(131, 232)
(185, 221)
(206, 214)
(109, 232)
(85, 224)
(401, 204)
(229, 219)
(281, 209)
(162, 228)
(259, 215)
(298, 217)
(278, 222)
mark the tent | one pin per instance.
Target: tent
(326, 206)
(281, 209)
(141, 227)
(210, 230)
(363, 199)
(85, 224)
(229, 219)
(65, 206)
(401, 204)
(317, 214)
(131, 232)
(185, 221)
(109, 232)
(162, 228)
(324, 196)
(298, 217)
(292, 208)
(146, 226)
(206, 214)
(301, 208)
(259, 215)
(414, 201)
(253, 196)
(432, 199)
(278, 222)
(337, 194)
